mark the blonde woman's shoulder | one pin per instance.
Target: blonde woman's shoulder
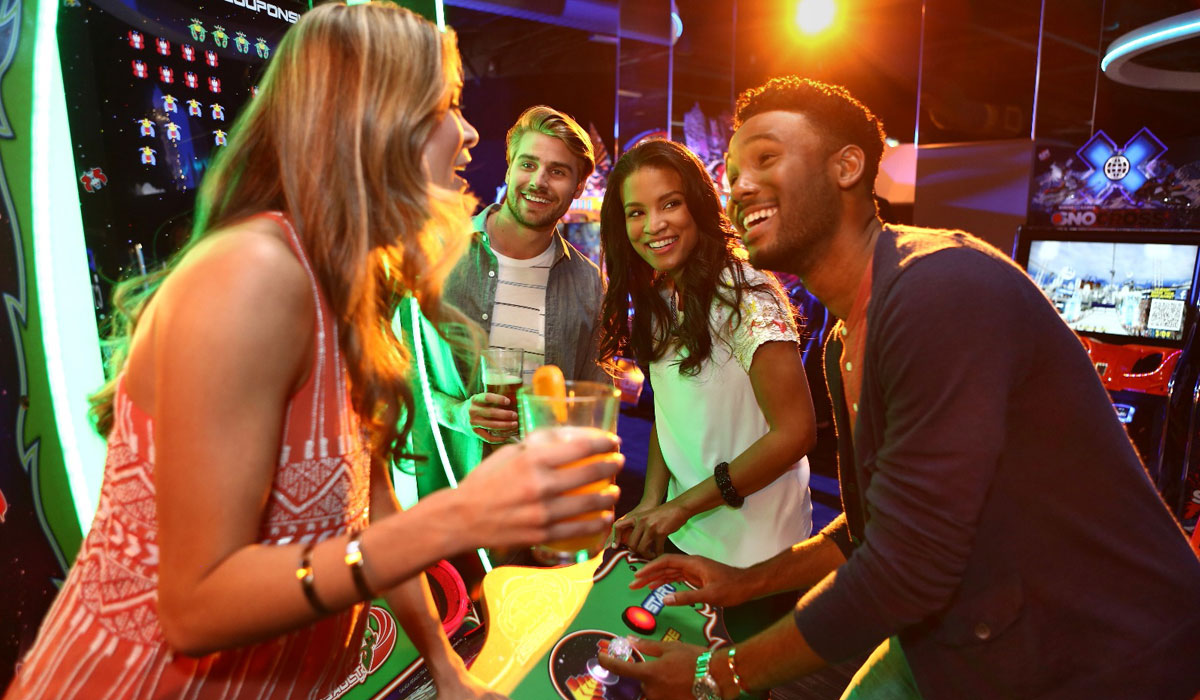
(244, 268)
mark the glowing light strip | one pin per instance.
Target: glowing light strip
(426, 392)
(441, 14)
(1152, 36)
(64, 294)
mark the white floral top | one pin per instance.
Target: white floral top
(713, 417)
(764, 319)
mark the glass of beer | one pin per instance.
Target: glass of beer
(502, 374)
(586, 406)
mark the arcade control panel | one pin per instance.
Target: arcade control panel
(545, 631)
(547, 628)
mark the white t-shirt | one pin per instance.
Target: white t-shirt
(713, 417)
(519, 312)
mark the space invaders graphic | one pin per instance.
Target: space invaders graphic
(93, 179)
(197, 29)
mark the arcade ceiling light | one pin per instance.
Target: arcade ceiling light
(1119, 65)
(815, 16)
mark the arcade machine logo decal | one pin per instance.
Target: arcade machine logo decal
(1123, 168)
(1152, 193)
(379, 639)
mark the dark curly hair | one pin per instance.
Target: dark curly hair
(651, 332)
(842, 119)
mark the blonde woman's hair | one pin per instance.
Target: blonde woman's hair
(551, 122)
(335, 139)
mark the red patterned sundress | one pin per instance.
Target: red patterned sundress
(102, 637)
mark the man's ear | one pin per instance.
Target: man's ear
(850, 165)
(579, 189)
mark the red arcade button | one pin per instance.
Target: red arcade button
(639, 619)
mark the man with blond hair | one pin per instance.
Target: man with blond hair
(524, 284)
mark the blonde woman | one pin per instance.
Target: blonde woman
(247, 509)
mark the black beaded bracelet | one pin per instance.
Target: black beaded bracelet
(725, 484)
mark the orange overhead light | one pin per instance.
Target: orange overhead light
(815, 16)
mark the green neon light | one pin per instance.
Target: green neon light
(69, 330)
(426, 393)
(441, 14)
(1166, 35)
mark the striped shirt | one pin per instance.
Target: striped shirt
(519, 312)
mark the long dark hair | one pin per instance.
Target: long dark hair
(651, 332)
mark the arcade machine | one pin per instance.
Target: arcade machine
(1114, 243)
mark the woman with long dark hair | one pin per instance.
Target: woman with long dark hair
(726, 475)
(247, 510)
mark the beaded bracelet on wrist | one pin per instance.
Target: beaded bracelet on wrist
(725, 485)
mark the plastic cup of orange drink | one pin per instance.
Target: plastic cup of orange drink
(577, 406)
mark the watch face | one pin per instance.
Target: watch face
(705, 688)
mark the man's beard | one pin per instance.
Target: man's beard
(804, 231)
(513, 203)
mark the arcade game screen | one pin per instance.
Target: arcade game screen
(152, 90)
(1136, 290)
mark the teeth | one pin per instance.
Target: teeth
(759, 216)
(661, 243)
(539, 200)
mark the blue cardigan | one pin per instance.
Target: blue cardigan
(997, 517)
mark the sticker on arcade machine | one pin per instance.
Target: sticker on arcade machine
(197, 29)
(576, 672)
(92, 180)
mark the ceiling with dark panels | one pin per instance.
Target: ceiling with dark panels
(977, 71)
